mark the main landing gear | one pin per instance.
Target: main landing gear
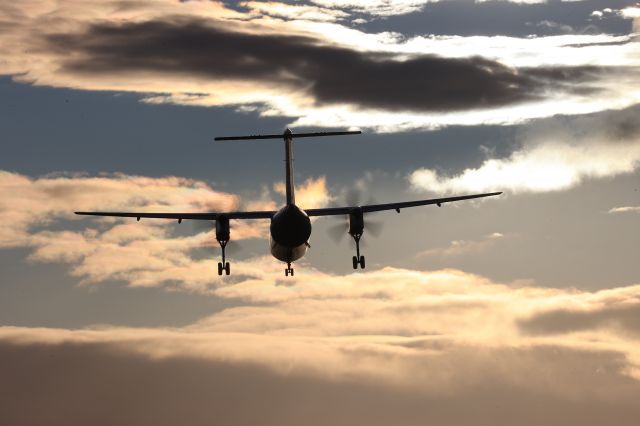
(223, 266)
(289, 270)
(357, 260)
(222, 236)
(356, 229)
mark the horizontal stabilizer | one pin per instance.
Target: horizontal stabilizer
(285, 134)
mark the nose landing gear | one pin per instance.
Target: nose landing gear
(289, 270)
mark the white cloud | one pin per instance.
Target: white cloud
(294, 11)
(558, 157)
(547, 167)
(376, 7)
(631, 12)
(625, 209)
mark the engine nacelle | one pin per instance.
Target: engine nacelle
(223, 231)
(356, 222)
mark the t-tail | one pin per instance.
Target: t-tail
(288, 136)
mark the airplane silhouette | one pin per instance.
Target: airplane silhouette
(290, 226)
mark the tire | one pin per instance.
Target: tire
(362, 262)
(354, 260)
(219, 268)
(227, 268)
(291, 271)
(286, 272)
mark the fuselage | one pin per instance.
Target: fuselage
(290, 231)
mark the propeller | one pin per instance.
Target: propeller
(352, 198)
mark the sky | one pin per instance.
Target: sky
(518, 309)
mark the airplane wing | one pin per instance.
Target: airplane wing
(329, 211)
(395, 206)
(189, 216)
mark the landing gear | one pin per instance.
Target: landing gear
(356, 229)
(222, 236)
(289, 270)
(226, 267)
(357, 260)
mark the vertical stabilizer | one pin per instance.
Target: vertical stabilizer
(288, 158)
(288, 150)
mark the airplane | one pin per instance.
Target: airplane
(290, 227)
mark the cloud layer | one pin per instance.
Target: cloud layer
(384, 346)
(202, 53)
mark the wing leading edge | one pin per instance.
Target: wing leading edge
(395, 206)
(188, 216)
(269, 214)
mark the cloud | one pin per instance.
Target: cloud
(328, 74)
(463, 247)
(313, 193)
(295, 11)
(106, 383)
(556, 155)
(625, 209)
(625, 317)
(383, 346)
(634, 14)
(617, 310)
(146, 253)
(28, 203)
(377, 8)
(289, 61)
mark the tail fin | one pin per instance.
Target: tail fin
(288, 136)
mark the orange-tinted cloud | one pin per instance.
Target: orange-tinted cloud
(411, 346)
(146, 253)
(28, 203)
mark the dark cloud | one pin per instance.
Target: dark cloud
(621, 317)
(104, 384)
(330, 74)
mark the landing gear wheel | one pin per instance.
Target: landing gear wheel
(354, 261)
(227, 268)
(219, 268)
(362, 262)
(289, 270)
